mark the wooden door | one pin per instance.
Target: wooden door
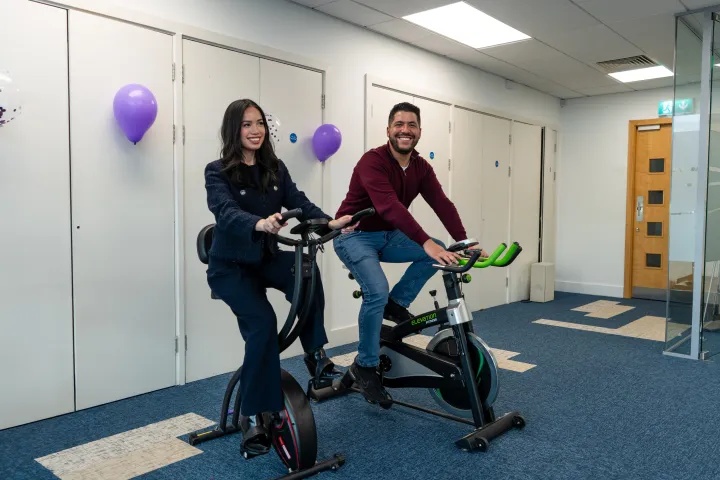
(649, 177)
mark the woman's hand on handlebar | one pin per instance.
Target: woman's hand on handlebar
(270, 224)
(441, 255)
(342, 223)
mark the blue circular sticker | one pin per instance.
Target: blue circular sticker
(293, 138)
(497, 163)
(432, 155)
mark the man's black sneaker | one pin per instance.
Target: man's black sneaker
(396, 313)
(368, 381)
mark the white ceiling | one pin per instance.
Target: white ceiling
(568, 37)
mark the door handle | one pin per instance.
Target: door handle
(640, 208)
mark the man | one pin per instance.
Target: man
(389, 178)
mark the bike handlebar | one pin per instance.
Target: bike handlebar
(325, 238)
(494, 260)
(290, 214)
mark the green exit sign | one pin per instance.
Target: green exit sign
(683, 106)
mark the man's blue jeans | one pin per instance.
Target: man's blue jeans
(359, 252)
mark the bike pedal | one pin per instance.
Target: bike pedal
(249, 454)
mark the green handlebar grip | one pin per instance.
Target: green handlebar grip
(509, 256)
(488, 261)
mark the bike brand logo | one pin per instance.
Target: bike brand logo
(424, 319)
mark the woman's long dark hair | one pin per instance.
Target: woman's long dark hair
(232, 155)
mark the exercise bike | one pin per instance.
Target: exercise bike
(457, 366)
(296, 442)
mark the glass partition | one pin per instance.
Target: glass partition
(710, 314)
(683, 186)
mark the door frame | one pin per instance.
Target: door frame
(630, 196)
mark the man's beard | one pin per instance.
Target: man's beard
(403, 151)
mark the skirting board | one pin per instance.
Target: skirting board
(589, 288)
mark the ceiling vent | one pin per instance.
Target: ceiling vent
(624, 64)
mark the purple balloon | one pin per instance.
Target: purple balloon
(326, 141)
(135, 110)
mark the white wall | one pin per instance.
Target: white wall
(349, 52)
(592, 188)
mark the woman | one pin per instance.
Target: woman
(246, 190)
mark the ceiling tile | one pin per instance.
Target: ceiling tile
(354, 12)
(650, 84)
(693, 4)
(441, 45)
(312, 3)
(489, 64)
(608, 11)
(400, 8)
(551, 64)
(505, 70)
(536, 17)
(655, 35)
(619, 88)
(591, 44)
(402, 30)
(562, 92)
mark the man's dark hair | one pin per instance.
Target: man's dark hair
(404, 107)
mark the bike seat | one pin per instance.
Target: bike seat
(204, 242)
(462, 245)
(310, 226)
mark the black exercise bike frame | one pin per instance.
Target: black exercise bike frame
(451, 375)
(487, 425)
(305, 283)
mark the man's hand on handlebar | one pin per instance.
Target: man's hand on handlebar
(270, 224)
(483, 253)
(341, 223)
(441, 255)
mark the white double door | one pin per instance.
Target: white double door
(434, 146)
(215, 77)
(87, 301)
(491, 174)
(496, 187)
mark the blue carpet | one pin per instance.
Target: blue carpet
(597, 406)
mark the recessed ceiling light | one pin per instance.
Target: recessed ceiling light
(466, 24)
(641, 74)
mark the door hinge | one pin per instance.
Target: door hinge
(507, 281)
(183, 73)
(322, 101)
(554, 176)
(173, 134)
(176, 344)
(173, 75)
(556, 148)
(186, 343)
(183, 134)
(449, 127)
(509, 171)
(510, 139)
(448, 164)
